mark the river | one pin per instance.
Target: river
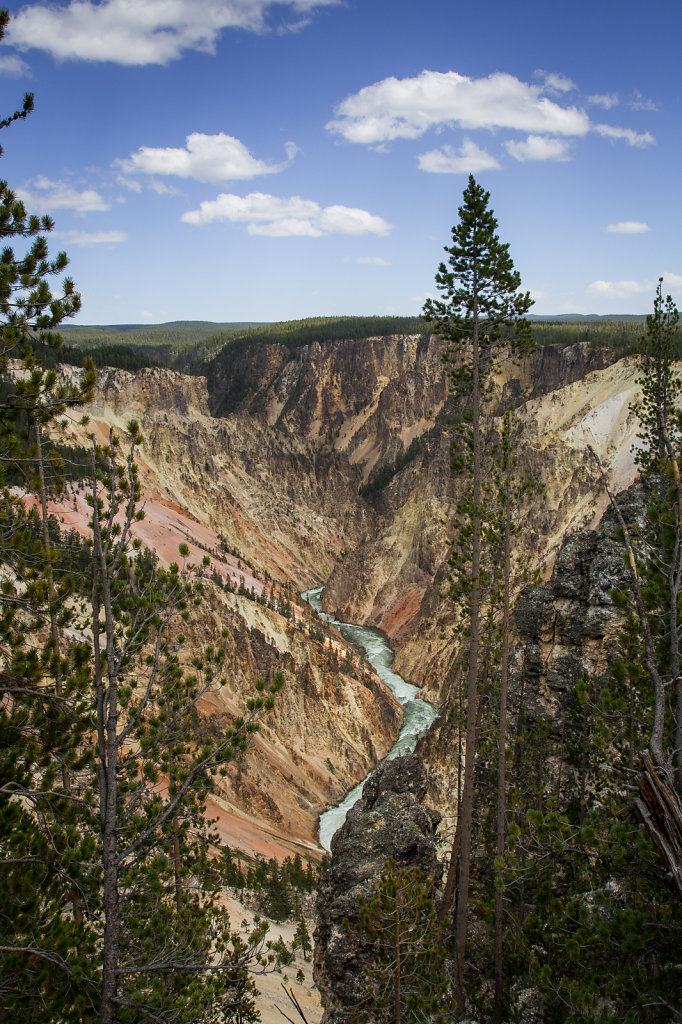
(419, 714)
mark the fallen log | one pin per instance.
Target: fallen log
(661, 810)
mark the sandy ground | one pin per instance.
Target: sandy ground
(272, 996)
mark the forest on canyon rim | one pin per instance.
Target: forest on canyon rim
(561, 895)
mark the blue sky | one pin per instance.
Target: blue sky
(242, 160)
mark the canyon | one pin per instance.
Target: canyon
(269, 483)
(265, 462)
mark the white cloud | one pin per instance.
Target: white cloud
(539, 147)
(44, 194)
(469, 160)
(629, 227)
(376, 261)
(620, 289)
(211, 158)
(556, 83)
(142, 31)
(672, 281)
(162, 189)
(626, 289)
(405, 108)
(13, 66)
(632, 137)
(285, 217)
(606, 100)
(82, 238)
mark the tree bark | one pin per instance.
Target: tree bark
(467, 810)
(501, 837)
(107, 725)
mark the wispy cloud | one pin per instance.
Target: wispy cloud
(470, 159)
(627, 289)
(286, 217)
(538, 147)
(208, 158)
(13, 66)
(130, 183)
(606, 100)
(83, 239)
(629, 227)
(619, 289)
(556, 83)
(375, 261)
(639, 102)
(146, 31)
(43, 194)
(630, 136)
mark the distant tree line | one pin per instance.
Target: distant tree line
(120, 356)
(198, 348)
(623, 337)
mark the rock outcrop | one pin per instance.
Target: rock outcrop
(565, 629)
(389, 821)
(568, 628)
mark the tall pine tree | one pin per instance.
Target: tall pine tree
(481, 295)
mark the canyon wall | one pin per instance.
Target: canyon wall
(266, 459)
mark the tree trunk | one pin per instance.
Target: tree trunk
(76, 905)
(467, 809)
(502, 764)
(107, 725)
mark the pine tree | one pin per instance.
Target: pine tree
(654, 552)
(596, 932)
(481, 294)
(302, 939)
(44, 943)
(109, 901)
(400, 940)
(659, 463)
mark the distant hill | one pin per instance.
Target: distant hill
(638, 318)
(192, 326)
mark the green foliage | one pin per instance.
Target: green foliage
(593, 926)
(110, 904)
(123, 357)
(400, 945)
(382, 477)
(295, 334)
(479, 285)
(621, 335)
(278, 887)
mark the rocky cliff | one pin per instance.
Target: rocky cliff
(266, 463)
(389, 821)
(267, 507)
(565, 629)
(555, 431)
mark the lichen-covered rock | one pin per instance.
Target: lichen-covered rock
(389, 821)
(568, 628)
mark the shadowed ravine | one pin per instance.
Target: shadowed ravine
(418, 713)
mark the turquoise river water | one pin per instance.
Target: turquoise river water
(419, 714)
